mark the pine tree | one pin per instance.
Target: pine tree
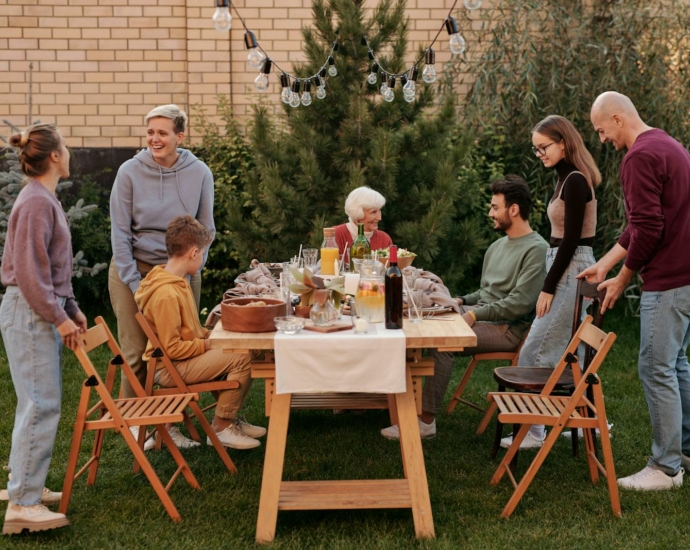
(307, 159)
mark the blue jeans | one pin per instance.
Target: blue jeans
(665, 373)
(34, 350)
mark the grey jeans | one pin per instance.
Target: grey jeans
(491, 337)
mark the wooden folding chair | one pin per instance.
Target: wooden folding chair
(511, 356)
(181, 387)
(561, 412)
(119, 415)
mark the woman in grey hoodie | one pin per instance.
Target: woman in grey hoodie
(158, 184)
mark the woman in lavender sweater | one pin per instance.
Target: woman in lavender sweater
(37, 316)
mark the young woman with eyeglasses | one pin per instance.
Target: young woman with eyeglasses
(572, 212)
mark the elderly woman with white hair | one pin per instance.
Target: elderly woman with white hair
(363, 205)
(160, 183)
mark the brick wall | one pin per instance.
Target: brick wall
(100, 65)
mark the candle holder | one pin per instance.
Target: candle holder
(360, 324)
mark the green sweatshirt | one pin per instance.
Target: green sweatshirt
(512, 277)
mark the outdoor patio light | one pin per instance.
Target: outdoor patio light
(331, 66)
(456, 42)
(409, 90)
(294, 100)
(429, 73)
(286, 93)
(306, 96)
(390, 94)
(261, 81)
(254, 58)
(222, 20)
(320, 87)
(384, 84)
(371, 79)
(473, 4)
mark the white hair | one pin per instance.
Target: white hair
(172, 112)
(361, 198)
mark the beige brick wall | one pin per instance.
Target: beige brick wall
(100, 65)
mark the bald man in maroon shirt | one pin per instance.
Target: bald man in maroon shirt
(655, 176)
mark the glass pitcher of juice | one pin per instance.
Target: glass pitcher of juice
(329, 252)
(370, 298)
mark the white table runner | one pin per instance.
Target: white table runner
(312, 362)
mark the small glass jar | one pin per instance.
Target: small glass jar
(360, 324)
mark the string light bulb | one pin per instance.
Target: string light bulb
(254, 58)
(222, 20)
(472, 4)
(332, 71)
(409, 90)
(261, 81)
(429, 72)
(456, 42)
(320, 88)
(373, 76)
(384, 84)
(390, 94)
(294, 98)
(306, 95)
(286, 93)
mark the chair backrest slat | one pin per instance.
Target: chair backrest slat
(94, 337)
(592, 336)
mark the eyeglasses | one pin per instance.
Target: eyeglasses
(541, 151)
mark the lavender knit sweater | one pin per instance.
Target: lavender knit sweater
(38, 253)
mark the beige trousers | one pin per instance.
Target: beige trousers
(212, 365)
(129, 334)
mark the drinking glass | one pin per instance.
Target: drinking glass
(310, 257)
(415, 299)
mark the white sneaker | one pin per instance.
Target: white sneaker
(235, 438)
(47, 497)
(250, 429)
(33, 518)
(530, 442)
(180, 440)
(425, 430)
(651, 479)
(567, 432)
(149, 444)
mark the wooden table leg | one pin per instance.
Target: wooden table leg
(273, 468)
(413, 459)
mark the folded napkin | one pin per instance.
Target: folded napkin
(255, 281)
(435, 292)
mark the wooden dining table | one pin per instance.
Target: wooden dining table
(412, 491)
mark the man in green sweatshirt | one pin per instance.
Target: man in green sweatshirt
(501, 311)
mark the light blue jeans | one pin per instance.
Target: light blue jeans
(665, 373)
(34, 350)
(549, 336)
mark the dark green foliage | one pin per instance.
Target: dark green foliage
(307, 160)
(545, 57)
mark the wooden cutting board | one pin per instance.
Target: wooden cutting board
(332, 328)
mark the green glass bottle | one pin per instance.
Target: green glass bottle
(359, 247)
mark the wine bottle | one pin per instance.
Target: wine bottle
(394, 292)
(360, 247)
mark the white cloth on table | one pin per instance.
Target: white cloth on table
(313, 362)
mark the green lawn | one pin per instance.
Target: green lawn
(561, 509)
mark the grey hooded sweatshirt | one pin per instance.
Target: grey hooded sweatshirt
(145, 198)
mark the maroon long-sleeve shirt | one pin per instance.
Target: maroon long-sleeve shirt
(655, 175)
(38, 253)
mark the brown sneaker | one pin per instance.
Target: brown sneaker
(33, 518)
(47, 497)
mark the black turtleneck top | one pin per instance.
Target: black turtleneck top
(576, 194)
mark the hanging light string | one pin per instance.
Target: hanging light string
(372, 55)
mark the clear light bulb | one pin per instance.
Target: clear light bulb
(332, 70)
(457, 43)
(472, 4)
(321, 92)
(409, 97)
(222, 20)
(255, 58)
(372, 78)
(384, 86)
(409, 91)
(389, 95)
(429, 74)
(294, 100)
(306, 99)
(285, 95)
(261, 82)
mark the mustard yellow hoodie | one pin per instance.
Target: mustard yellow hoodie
(168, 305)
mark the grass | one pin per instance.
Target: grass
(561, 509)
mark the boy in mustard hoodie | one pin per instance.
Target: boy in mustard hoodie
(166, 300)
